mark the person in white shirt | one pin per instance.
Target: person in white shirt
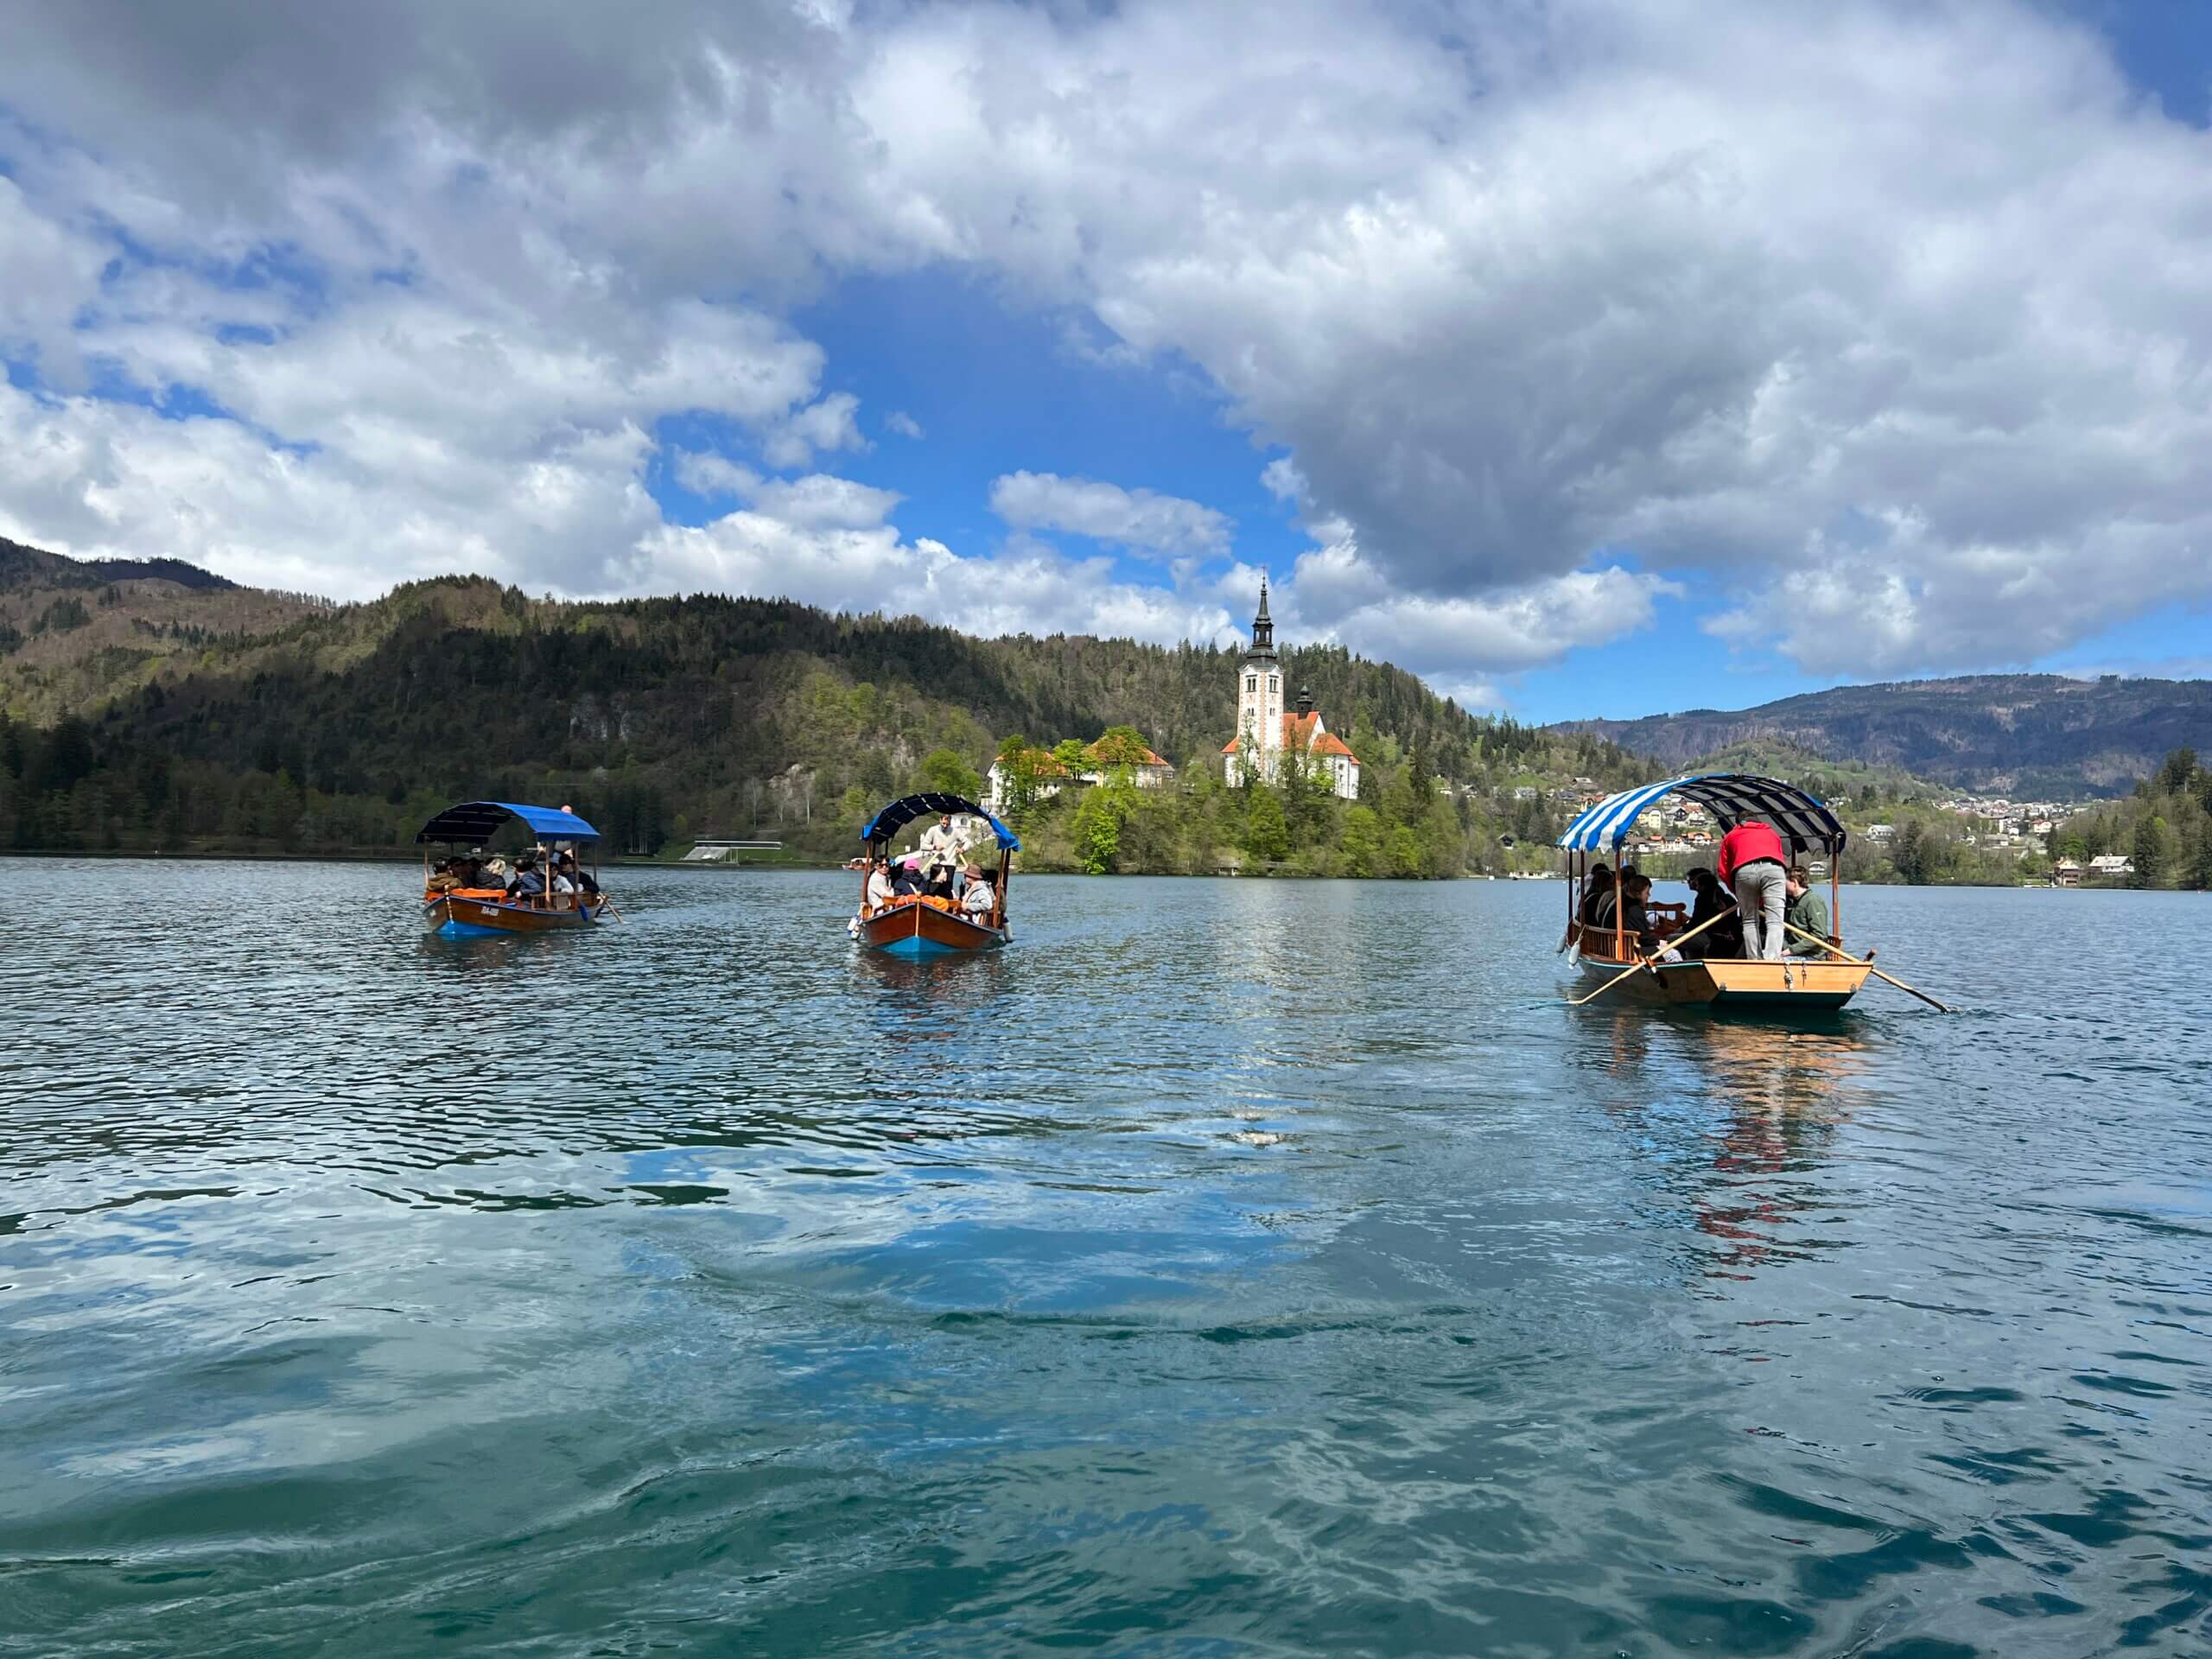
(942, 846)
(879, 885)
(979, 898)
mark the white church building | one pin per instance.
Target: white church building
(1267, 730)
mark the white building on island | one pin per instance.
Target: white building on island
(1266, 730)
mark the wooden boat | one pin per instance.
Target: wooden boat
(919, 926)
(456, 910)
(1820, 983)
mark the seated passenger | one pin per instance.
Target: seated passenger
(939, 884)
(1723, 940)
(879, 890)
(1635, 919)
(978, 899)
(905, 880)
(581, 879)
(1807, 910)
(528, 886)
(1599, 885)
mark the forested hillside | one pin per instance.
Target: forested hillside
(2024, 734)
(663, 720)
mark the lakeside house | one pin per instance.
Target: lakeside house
(2111, 866)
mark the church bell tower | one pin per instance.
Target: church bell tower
(1259, 694)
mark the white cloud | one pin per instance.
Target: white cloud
(830, 424)
(860, 566)
(1138, 519)
(901, 424)
(1893, 313)
(703, 473)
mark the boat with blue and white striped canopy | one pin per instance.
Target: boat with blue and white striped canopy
(1732, 796)
(1819, 982)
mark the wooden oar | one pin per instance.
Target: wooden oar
(1675, 944)
(1941, 1007)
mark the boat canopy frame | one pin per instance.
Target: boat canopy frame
(473, 822)
(1804, 821)
(900, 813)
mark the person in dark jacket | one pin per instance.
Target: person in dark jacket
(1708, 901)
(1599, 886)
(1636, 919)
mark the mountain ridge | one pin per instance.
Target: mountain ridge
(2026, 734)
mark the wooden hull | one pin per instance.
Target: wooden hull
(455, 916)
(925, 931)
(1773, 988)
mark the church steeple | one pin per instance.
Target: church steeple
(1263, 630)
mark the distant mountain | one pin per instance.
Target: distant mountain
(74, 633)
(141, 711)
(25, 566)
(2024, 734)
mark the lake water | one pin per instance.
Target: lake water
(1226, 1269)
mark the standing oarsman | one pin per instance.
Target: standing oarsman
(1752, 866)
(942, 846)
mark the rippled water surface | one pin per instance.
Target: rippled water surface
(1224, 1268)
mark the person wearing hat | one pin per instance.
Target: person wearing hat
(978, 900)
(528, 886)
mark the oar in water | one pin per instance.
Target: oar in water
(1941, 1008)
(1674, 943)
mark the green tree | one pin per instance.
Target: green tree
(1071, 754)
(2176, 771)
(1267, 832)
(1362, 842)
(1405, 851)
(1098, 822)
(947, 775)
(1120, 745)
(2152, 852)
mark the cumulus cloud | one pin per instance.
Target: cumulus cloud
(1890, 314)
(899, 423)
(830, 424)
(845, 557)
(1137, 519)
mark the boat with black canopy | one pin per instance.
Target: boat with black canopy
(923, 924)
(1821, 980)
(467, 894)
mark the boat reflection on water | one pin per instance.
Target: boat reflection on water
(1759, 1111)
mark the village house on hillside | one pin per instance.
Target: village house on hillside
(1147, 770)
(1266, 730)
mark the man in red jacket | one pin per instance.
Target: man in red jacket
(1753, 868)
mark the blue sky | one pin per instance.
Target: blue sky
(1584, 357)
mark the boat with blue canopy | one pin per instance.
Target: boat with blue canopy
(1819, 981)
(930, 924)
(543, 889)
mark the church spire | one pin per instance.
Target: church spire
(1263, 630)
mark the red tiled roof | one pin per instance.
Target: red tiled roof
(1298, 733)
(1150, 758)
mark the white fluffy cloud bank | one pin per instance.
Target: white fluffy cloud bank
(1888, 315)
